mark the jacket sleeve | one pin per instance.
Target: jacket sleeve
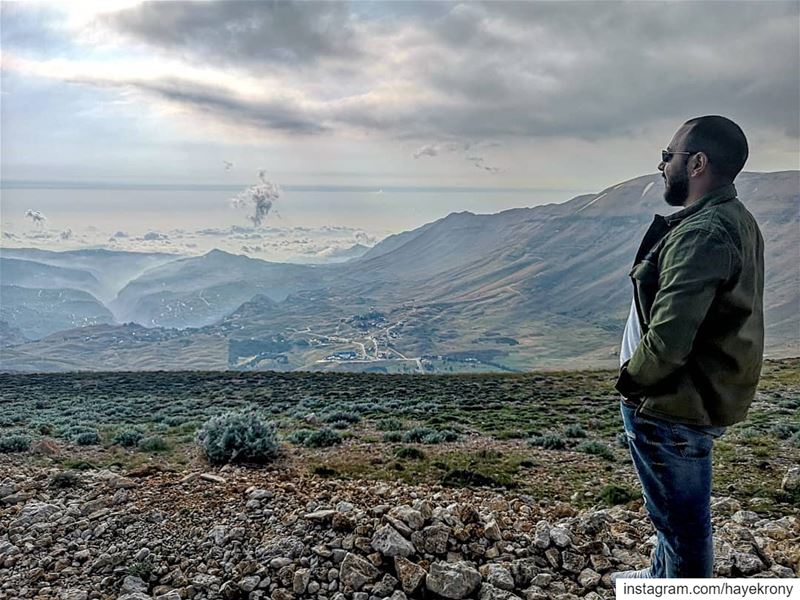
(692, 266)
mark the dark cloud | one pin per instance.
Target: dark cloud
(593, 69)
(477, 71)
(154, 236)
(278, 115)
(243, 32)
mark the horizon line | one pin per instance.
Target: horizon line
(21, 184)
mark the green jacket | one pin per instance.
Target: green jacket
(698, 287)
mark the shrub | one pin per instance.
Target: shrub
(65, 479)
(324, 471)
(238, 436)
(15, 442)
(393, 436)
(41, 427)
(409, 452)
(390, 424)
(417, 434)
(784, 431)
(87, 438)
(575, 431)
(796, 440)
(437, 437)
(70, 432)
(614, 494)
(142, 569)
(549, 442)
(340, 425)
(153, 443)
(322, 438)
(128, 437)
(347, 417)
(299, 436)
(596, 448)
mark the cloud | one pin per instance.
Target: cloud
(468, 71)
(120, 234)
(255, 34)
(427, 150)
(152, 236)
(36, 217)
(364, 238)
(468, 148)
(228, 165)
(66, 234)
(259, 197)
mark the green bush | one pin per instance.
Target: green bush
(409, 452)
(238, 437)
(152, 443)
(15, 442)
(347, 417)
(142, 569)
(437, 437)
(87, 438)
(548, 442)
(390, 424)
(796, 440)
(64, 479)
(784, 431)
(596, 448)
(299, 436)
(393, 436)
(71, 432)
(417, 434)
(614, 494)
(575, 431)
(128, 437)
(340, 424)
(322, 438)
(41, 427)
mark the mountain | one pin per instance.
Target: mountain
(36, 275)
(198, 291)
(109, 270)
(37, 313)
(541, 287)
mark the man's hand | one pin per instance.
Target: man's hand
(626, 385)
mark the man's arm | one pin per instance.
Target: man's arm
(692, 266)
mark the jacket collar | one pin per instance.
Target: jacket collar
(716, 196)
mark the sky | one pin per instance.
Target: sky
(293, 130)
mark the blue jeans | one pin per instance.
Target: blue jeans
(673, 462)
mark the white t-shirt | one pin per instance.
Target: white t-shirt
(632, 335)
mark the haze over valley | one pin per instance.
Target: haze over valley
(512, 291)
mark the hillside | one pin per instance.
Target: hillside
(541, 287)
(492, 486)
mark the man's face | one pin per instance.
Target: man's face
(675, 171)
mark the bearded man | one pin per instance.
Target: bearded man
(693, 345)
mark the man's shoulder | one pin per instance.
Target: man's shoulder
(721, 220)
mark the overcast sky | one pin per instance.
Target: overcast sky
(532, 102)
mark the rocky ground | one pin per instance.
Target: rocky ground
(278, 532)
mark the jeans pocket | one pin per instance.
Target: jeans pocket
(691, 442)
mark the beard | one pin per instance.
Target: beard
(677, 189)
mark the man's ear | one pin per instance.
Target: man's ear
(698, 164)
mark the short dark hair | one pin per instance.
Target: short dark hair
(722, 140)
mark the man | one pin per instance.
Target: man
(692, 349)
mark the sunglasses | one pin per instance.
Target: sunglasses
(666, 155)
